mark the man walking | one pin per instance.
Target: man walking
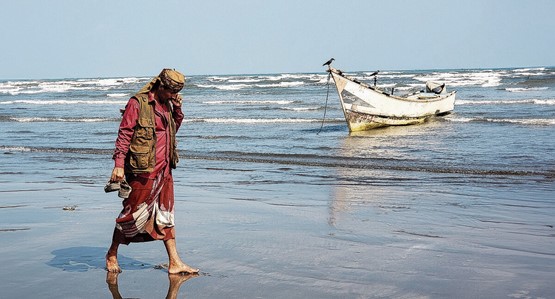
(145, 154)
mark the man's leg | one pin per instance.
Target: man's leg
(176, 265)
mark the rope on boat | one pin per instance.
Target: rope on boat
(326, 105)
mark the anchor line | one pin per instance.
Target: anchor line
(326, 105)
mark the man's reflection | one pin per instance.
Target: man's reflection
(175, 283)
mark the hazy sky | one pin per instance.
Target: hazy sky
(104, 38)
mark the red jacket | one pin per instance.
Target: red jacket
(127, 126)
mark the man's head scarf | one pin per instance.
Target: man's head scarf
(169, 79)
(172, 80)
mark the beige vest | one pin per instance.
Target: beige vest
(141, 157)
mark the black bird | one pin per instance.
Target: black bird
(374, 73)
(328, 62)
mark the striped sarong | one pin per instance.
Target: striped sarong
(148, 213)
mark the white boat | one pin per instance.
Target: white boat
(367, 107)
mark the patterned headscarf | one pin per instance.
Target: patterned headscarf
(172, 80)
(168, 78)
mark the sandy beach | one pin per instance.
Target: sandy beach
(256, 237)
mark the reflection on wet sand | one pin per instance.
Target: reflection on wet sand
(175, 281)
(365, 185)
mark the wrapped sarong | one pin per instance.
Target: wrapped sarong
(148, 213)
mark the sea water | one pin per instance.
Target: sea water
(502, 123)
(462, 201)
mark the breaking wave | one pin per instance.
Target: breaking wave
(54, 119)
(245, 86)
(506, 102)
(276, 102)
(64, 102)
(522, 89)
(533, 122)
(258, 120)
(66, 85)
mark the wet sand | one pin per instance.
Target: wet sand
(281, 231)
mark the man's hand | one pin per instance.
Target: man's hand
(117, 174)
(177, 101)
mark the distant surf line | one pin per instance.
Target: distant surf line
(232, 102)
(55, 119)
(506, 102)
(259, 120)
(531, 121)
(63, 102)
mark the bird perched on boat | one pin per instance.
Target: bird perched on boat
(328, 62)
(376, 78)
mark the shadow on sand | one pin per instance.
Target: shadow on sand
(82, 259)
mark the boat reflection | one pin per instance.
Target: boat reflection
(381, 168)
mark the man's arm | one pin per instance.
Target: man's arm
(125, 133)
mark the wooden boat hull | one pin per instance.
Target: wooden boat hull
(363, 122)
(366, 107)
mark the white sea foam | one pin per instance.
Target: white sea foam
(252, 120)
(224, 87)
(526, 74)
(100, 82)
(404, 88)
(49, 87)
(533, 121)
(56, 119)
(482, 78)
(300, 108)
(15, 148)
(15, 88)
(243, 86)
(109, 81)
(117, 95)
(60, 86)
(325, 81)
(246, 80)
(529, 70)
(281, 84)
(278, 77)
(10, 90)
(522, 89)
(545, 102)
(506, 102)
(485, 102)
(217, 78)
(63, 102)
(277, 102)
(390, 75)
(459, 119)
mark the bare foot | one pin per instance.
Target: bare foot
(180, 267)
(112, 263)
